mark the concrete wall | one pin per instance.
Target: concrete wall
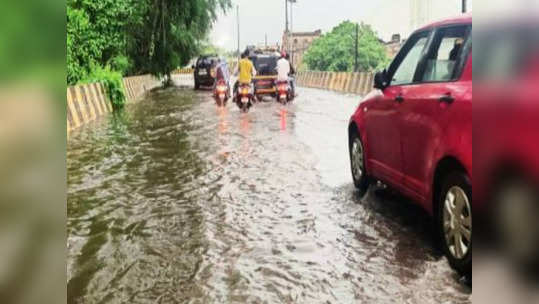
(345, 82)
(90, 101)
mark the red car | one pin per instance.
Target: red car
(414, 132)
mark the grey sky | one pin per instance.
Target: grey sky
(260, 17)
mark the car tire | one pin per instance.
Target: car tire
(454, 221)
(197, 86)
(357, 162)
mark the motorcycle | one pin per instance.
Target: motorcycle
(221, 93)
(283, 92)
(244, 97)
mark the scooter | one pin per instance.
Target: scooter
(221, 93)
(284, 95)
(244, 97)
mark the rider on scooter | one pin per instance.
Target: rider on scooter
(221, 74)
(292, 77)
(284, 69)
(246, 71)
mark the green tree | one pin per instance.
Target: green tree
(97, 34)
(334, 51)
(172, 33)
(136, 36)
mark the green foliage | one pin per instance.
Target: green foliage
(136, 36)
(112, 80)
(335, 51)
(120, 63)
(172, 33)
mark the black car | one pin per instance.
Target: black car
(204, 71)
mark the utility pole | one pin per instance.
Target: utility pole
(356, 48)
(286, 15)
(286, 26)
(290, 34)
(464, 6)
(238, 21)
(292, 46)
(266, 40)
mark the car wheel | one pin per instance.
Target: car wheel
(357, 162)
(454, 221)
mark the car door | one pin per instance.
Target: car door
(432, 108)
(381, 119)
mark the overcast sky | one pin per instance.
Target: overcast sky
(260, 17)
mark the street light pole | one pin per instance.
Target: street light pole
(464, 6)
(290, 34)
(292, 31)
(238, 21)
(286, 15)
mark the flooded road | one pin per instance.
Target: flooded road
(176, 201)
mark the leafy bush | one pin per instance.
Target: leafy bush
(120, 63)
(112, 80)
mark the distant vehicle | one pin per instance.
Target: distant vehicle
(414, 132)
(204, 71)
(264, 81)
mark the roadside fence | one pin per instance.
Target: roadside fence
(344, 82)
(87, 102)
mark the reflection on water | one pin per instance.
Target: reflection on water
(177, 201)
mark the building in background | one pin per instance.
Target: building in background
(393, 46)
(297, 43)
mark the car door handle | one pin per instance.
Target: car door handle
(399, 98)
(447, 98)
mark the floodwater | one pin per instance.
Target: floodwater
(176, 201)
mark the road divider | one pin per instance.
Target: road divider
(87, 102)
(344, 82)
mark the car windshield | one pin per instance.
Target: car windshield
(265, 64)
(205, 62)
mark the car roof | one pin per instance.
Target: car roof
(461, 19)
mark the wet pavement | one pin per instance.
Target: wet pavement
(176, 201)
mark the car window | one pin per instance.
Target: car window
(265, 65)
(405, 71)
(207, 61)
(445, 51)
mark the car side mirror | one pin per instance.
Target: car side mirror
(380, 80)
(193, 66)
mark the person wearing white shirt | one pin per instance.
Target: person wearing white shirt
(283, 69)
